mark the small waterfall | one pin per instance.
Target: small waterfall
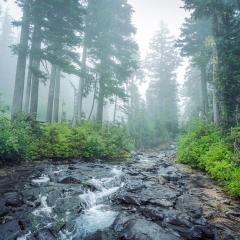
(44, 209)
(97, 214)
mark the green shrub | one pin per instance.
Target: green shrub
(202, 147)
(54, 143)
(18, 138)
(217, 161)
(234, 184)
(195, 142)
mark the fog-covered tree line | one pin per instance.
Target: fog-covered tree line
(83, 54)
(59, 36)
(210, 38)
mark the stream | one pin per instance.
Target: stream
(148, 196)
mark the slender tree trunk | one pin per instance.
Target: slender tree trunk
(115, 109)
(36, 48)
(21, 62)
(100, 105)
(93, 102)
(238, 4)
(29, 85)
(57, 95)
(51, 94)
(216, 105)
(204, 90)
(81, 86)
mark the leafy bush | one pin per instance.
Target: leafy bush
(25, 139)
(198, 139)
(18, 138)
(54, 143)
(203, 147)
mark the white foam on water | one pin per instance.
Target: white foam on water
(92, 198)
(116, 171)
(24, 237)
(44, 209)
(42, 179)
(95, 218)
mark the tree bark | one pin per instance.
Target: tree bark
(100, 105)
(36, 48)
(216, 105)
(57, 95)
(81, 86)
(93, 102)
(115, 109)
(17, 103)
(29, 85)
(204, 90)
(51, 94)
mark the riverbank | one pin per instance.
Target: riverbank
(147, 197)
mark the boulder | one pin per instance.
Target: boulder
(141, 229)
(70, 180)
(44, 234)
(190, 205)
(9, 230)
(13, 199)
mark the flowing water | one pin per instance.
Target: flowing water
(148, 197)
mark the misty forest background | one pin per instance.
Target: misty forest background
(70, 73)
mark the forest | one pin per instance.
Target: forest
(101, 138)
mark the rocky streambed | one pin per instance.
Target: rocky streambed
(147, 197)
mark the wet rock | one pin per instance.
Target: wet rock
(141, 229)
(128, 199)
(233, 213)
(44, 234)
(3, 210)
(170, 173)
(178, 219)
(162, 202)
(70, 180)
(9, 230)
(14, 199)
(158, 192)
(190, 205)
(72, 204)
(153, 213)
(121, 221)
(102, 235)
(161, 180)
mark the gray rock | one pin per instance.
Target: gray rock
(70, 180)
(45, 234)
(128, 199)
(153, 213)
(140, 229)
(190, 205)
(14, 199)
(9, 230)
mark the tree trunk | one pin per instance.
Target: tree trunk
(216, 105)
(93, 102)
(36, 48)
(115, 109)
(238, 4)
(81, 86)
(51, 94)
(57, 95)
(29, 85)
(204, 90)
(99, 116)
(21, 62)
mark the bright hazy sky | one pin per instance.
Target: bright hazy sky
(148, 15)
